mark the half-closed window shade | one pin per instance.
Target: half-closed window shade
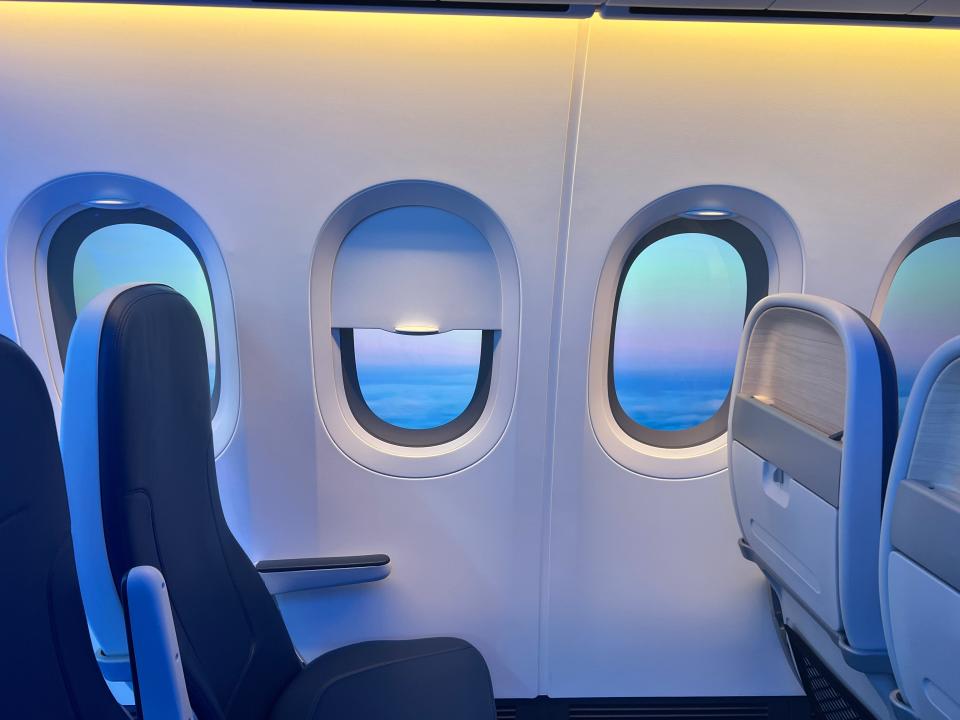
(417, 267)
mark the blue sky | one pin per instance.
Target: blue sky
(678, 329)
(922, 309)
(417, 381)
(127, 253)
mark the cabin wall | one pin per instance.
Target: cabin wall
(265, 122)
(575, 575)
(851, 130)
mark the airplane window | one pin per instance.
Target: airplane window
(95, 250)
(417, 389)
(922, 309)
(684, 295)
(416, 311)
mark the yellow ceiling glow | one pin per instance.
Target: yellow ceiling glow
(152, 12)
(169, 16)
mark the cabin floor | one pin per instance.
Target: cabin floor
(544, 708)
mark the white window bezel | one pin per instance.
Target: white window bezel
(939, 220)
(332, 403)
(783, 247)
(35, 224)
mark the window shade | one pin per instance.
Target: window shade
(416, 266)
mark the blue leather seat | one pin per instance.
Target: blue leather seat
(47, 667)
(920, 544)
(160, 506)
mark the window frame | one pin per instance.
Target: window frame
(952, 230)
(942, 232)
(407, 437)
(757, 269)
(63, 247)
(361, 447)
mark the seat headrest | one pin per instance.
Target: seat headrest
(816, 387)
(128, 347)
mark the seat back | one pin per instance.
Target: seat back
(47, 667)
(920, 542)
(138, 356)
(812, 427)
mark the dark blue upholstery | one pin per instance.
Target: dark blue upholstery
(161, 507)
(889, 398)
(396, 679)
(47, 665)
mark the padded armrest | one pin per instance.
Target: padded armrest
(285, 576)
(160, 684)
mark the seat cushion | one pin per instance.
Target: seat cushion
(432, 678)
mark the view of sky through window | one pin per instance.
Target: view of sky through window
(678, 327)
(133, 253)
(922, 309)
(417, 382)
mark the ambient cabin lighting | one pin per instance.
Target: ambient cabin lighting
(416, 329)
(113, 203)
(708, 214)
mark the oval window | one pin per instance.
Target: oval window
(684, 294)
(922, 308)
(95, 250)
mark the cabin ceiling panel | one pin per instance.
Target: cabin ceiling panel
(942, 8)
(695, 4)
(933, 8)
(896, 7)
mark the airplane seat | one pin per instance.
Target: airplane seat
(137, 394)
(812, 428)
(47, 667)
(920, 544)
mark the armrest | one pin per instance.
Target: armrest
(161, 690)
(285, 576)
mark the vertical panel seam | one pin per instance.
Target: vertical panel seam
(563, 235)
